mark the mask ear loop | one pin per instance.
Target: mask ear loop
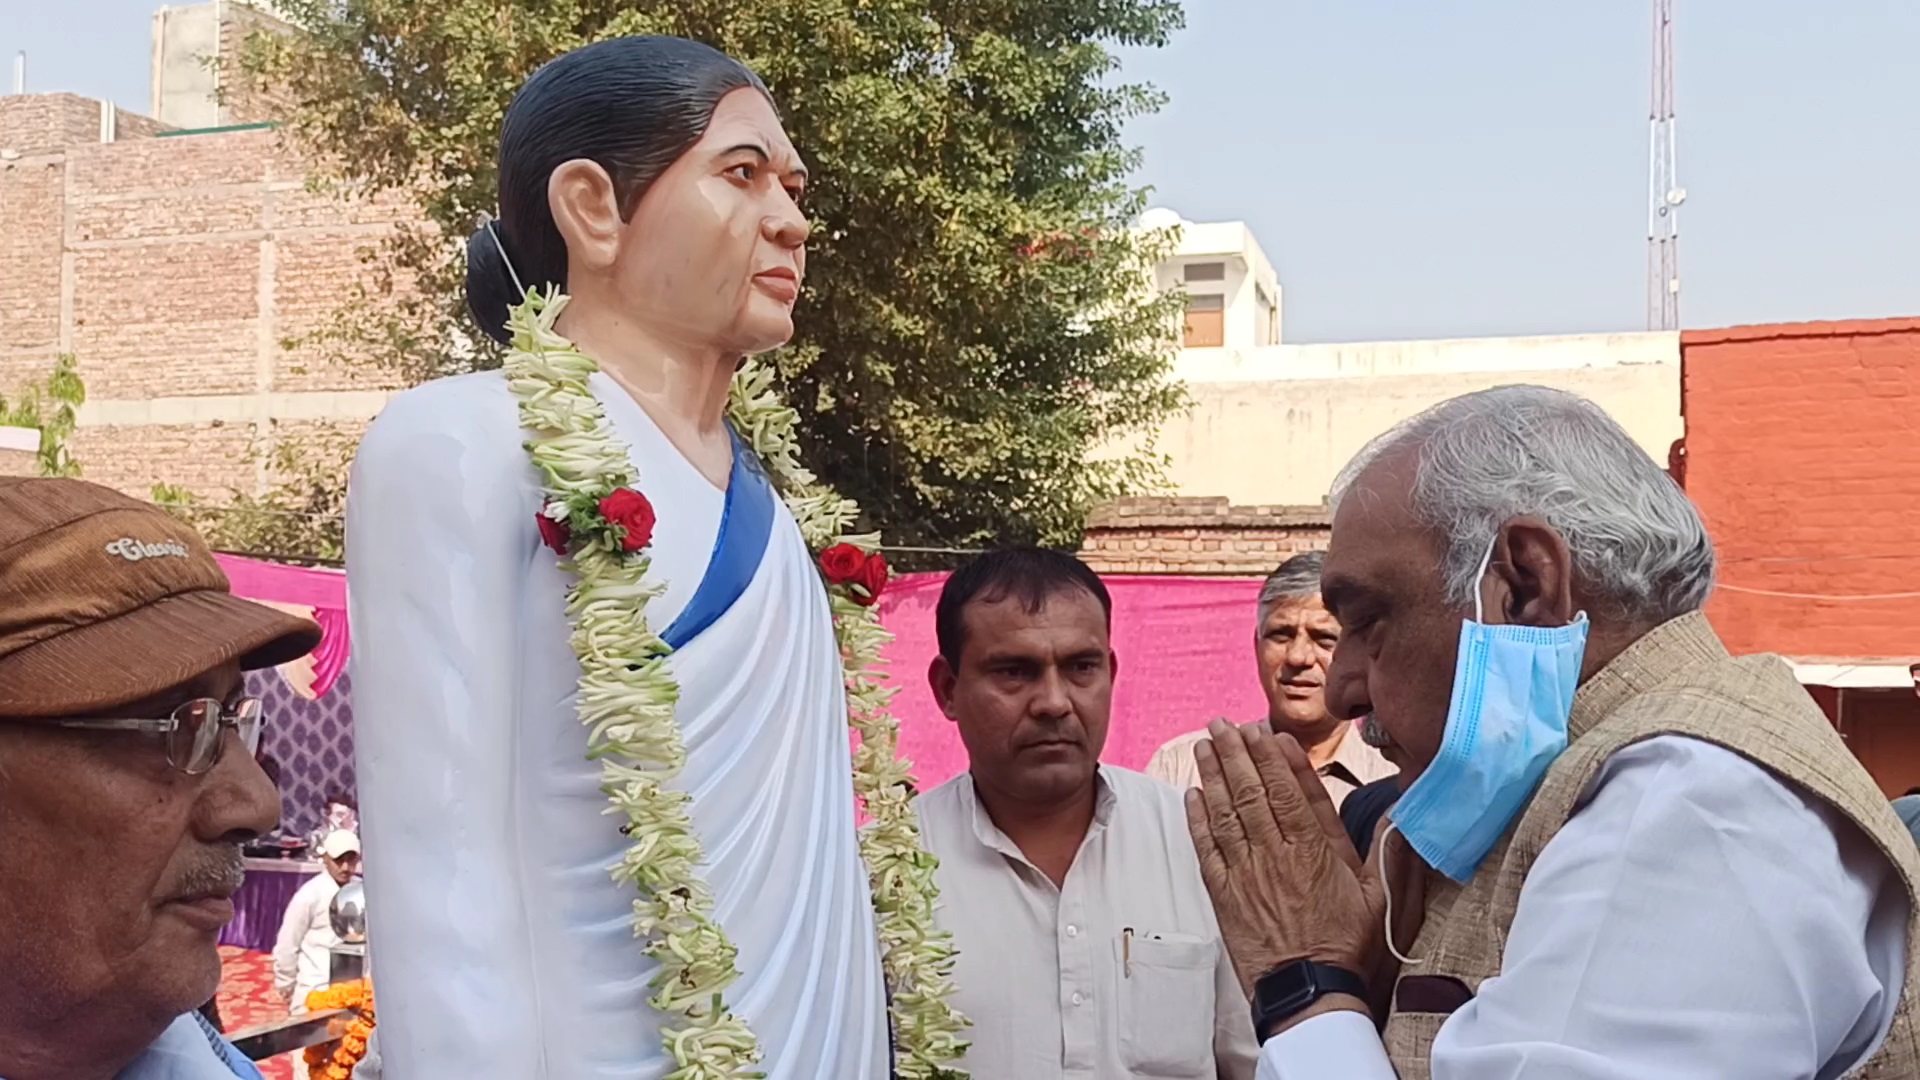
(1388, 891)
(493, 230)
(1479, 576)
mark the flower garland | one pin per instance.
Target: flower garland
(601, 527)
(336, 1060)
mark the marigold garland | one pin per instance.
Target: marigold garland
(627, 698)
(336, 1060)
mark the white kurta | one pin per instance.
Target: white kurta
(1696, 917)
(1118, 973)
(303, 951)
(504, 948)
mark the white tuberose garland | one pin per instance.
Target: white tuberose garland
(627, 698)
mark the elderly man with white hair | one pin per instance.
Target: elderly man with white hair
(1621, 851)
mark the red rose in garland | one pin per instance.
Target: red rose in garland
(842, 564)
(873, 578)
(554, 534)
(631, 511)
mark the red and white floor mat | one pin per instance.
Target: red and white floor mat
(247, 998)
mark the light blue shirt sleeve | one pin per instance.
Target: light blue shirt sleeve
(190, 1050)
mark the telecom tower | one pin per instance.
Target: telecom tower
(1664, 193)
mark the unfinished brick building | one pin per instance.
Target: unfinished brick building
(176, 267)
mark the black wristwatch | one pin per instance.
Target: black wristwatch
(1289, 988)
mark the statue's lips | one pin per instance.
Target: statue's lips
(779, 282)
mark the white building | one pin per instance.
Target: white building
(1233, 295)
(1272, 422)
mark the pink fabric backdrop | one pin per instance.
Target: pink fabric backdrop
(325, 591)
(1185, 648)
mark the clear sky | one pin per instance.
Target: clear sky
(1419, 169)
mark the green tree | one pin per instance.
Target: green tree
(977, 324)
(53, 406)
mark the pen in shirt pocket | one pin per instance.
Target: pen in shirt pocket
(1126, 953)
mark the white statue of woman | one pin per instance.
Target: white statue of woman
(651, 180)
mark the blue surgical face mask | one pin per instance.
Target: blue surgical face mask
(1512, 695)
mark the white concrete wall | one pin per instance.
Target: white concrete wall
(235, 408)
(184, 83)
(1272, 423)
(1278, 436)
(1436, 357)
(19, 451)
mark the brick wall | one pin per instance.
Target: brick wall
(185, 273)
(31, 204)
(245, 100)
(210, 458)
(1803, 454)
(132, 125)
(47, 123)
(1199, 536)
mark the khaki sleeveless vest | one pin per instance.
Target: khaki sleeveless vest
(1677, 680)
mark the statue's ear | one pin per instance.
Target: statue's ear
(586, 210)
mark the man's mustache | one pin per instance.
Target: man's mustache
(219, 873)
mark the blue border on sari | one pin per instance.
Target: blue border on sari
(746, 524)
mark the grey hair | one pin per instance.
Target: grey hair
(1487, 457)
(1297, 579)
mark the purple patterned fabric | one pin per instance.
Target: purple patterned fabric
(260, 905)
(312, 741)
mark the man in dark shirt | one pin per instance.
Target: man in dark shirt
(1364, 808)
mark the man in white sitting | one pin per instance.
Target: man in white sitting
(1293, 639)
(1087, 944)
(303, 954)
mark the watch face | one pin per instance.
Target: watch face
(1285, 989)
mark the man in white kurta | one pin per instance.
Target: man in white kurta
(1088, 948)
(503, 946)
(1117, 972)
(303, 952)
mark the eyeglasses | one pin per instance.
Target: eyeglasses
(194, 731)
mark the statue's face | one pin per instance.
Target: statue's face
(715, 252)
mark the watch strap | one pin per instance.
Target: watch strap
(1289, 989)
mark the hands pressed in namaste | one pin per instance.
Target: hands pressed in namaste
(1286, 883)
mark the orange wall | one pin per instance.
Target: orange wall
(1803, 454)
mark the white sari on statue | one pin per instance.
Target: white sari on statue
(505, 949)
